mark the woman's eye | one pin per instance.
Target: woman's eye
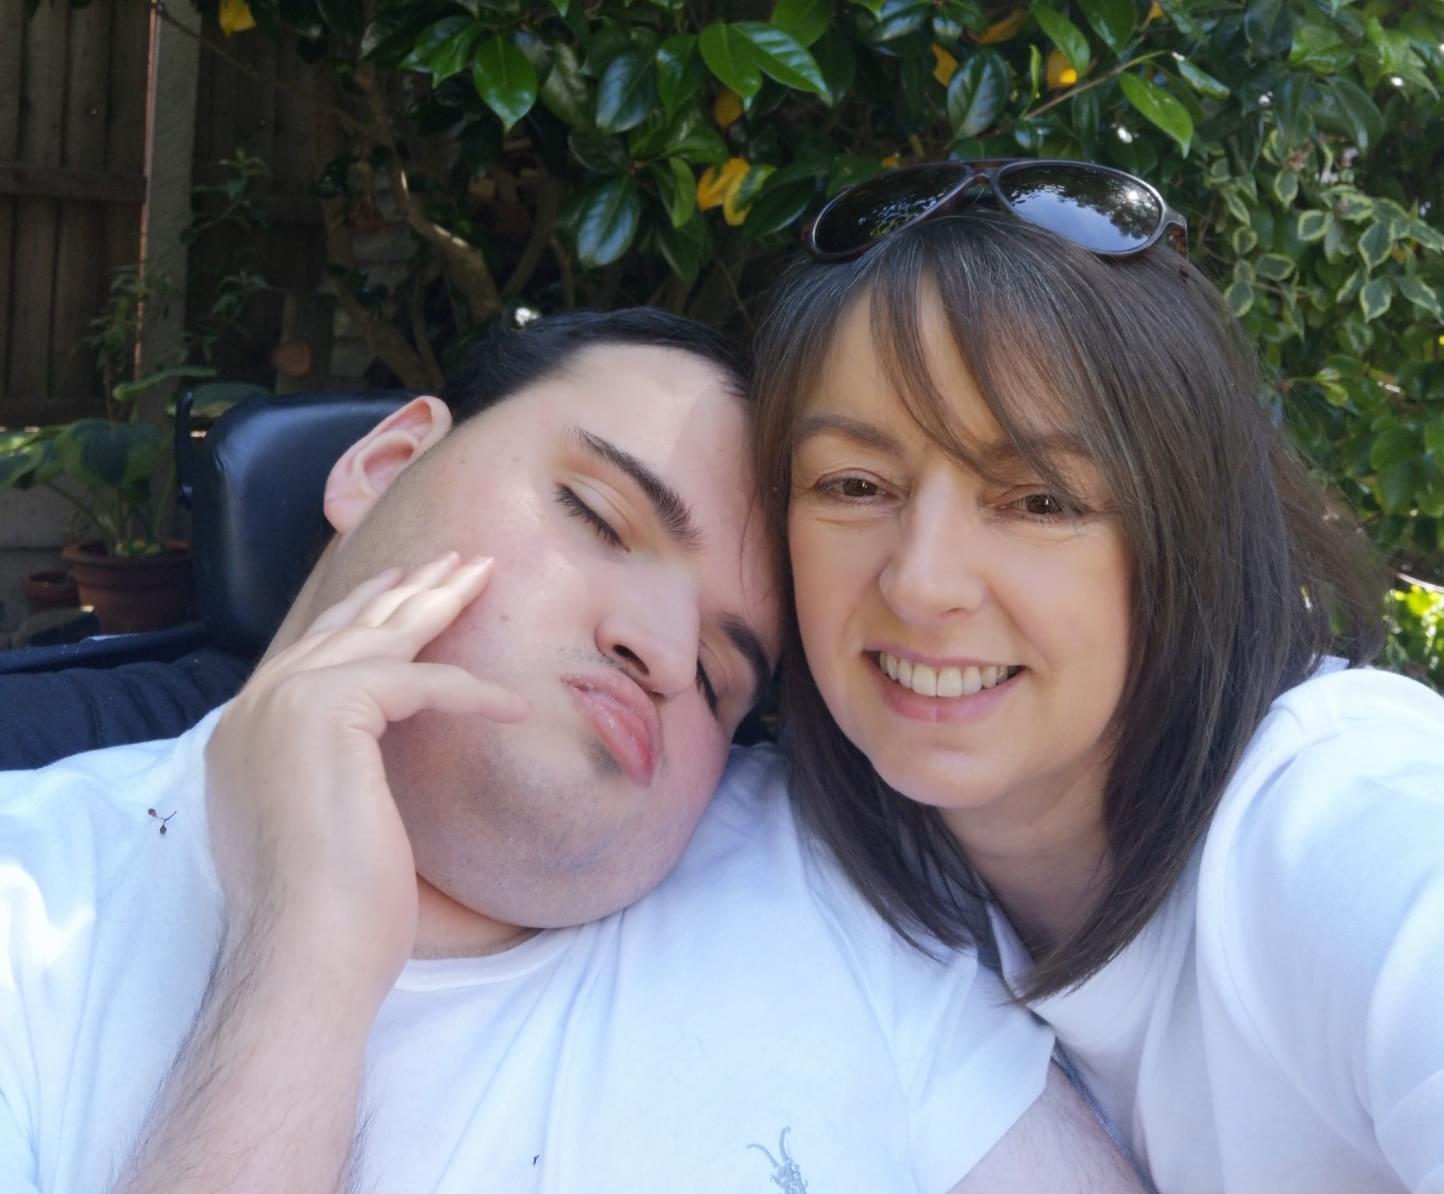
(579, 509)
(854, 489)
(1043, 505)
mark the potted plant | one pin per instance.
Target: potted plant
(106, 469)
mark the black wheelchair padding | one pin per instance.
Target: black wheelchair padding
(259, 477)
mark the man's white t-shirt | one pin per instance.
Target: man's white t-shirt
(1279, 1025)
(749, 1026)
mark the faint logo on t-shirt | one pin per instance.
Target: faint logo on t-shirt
(786, 1175)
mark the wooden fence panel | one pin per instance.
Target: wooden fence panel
(72, 132)
(37, 218)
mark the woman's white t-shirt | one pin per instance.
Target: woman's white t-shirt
(1279, 1026)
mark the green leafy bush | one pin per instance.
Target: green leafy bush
(550, 152)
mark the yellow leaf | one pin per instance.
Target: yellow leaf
(892, 160)
(726, 108)
(742, 192)
(1004, 29)
(715, 185)
(944, 64)
(1155, 13)
(1060, 71)
(235, 17)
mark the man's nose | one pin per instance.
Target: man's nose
(936, 568)
(651, 627)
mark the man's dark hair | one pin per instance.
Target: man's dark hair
(509, 359)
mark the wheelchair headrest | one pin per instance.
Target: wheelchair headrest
(258, 477)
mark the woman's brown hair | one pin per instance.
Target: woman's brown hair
(1243, 574)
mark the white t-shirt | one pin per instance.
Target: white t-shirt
(1279, 1025)
(749, 1026)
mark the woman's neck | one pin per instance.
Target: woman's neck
(1045, 859)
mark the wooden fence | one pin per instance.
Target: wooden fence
(72, 162)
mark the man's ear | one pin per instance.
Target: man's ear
(367, 468)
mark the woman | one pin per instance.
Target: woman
(1082, 675)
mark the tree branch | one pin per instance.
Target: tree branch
(548, 204)
(464, 263)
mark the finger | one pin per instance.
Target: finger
(397, 689)
(344, 636)
(428, 576)
(345, 610)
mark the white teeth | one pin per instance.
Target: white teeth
(927, 680)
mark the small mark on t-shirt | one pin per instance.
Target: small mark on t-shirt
(786, 1174)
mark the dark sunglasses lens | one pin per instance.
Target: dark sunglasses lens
(872, 209)
(1102, 211)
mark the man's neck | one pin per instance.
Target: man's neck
(446, 929)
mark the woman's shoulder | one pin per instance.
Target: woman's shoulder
(1344, 738)
(1333, 824)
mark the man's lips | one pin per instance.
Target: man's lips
(624, 718)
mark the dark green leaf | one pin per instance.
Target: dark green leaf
(626, 92)
(686, 248)
(128, 391)
(597, 152)
(1243, 240)
(433, 42)
(730, 57)
(1292, 100)
(1420, 294)
(1159, 107)
(1065, 35)
(1375, 298)
(677, 188)
(1396, 487)
(787, 196)
(977, 93)
(105, 455)
(680, 71)
(837, 60)
(687, 135)
(1201, 81)
(1240, 297)
(1273, 266)
(504, 79)
(1318, 48)
(1313, 225)
(1268, 25)
(806, 20)
(1375, 244)
(1393, 445)
(565, 91)
(1355, 111)
(1112, 20)
(780, 56)
(897, 19)
(607, 221)
(18, 466)
(454, 55)
(1286, 187)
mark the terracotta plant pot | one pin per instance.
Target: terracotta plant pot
(132, 593)
(50, 590)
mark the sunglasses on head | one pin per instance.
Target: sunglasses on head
(1104, 210)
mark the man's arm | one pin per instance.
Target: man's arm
(1057, 1146)
(320, 894)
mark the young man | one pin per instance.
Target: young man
(383, 922)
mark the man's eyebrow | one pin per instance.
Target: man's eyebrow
(672, 512)
(854, 429)
(746, 641)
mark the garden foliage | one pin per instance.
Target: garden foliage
(550, 152)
